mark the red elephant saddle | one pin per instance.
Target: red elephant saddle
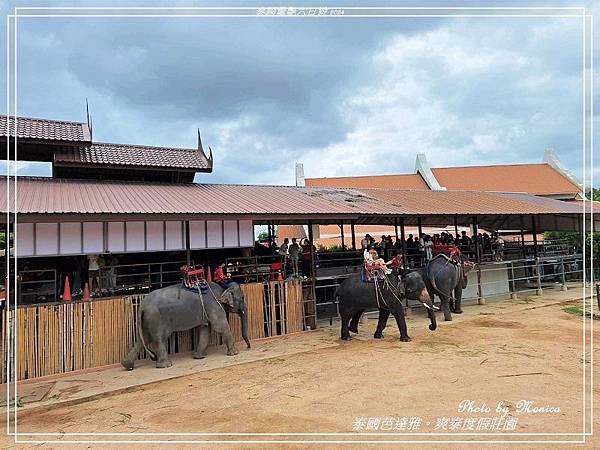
(451, 252)
(193, 277)
(372, 272)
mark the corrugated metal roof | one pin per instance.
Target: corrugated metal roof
(132, 155)
(43, 129)
(64, 196)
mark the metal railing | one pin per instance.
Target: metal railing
(490, 279)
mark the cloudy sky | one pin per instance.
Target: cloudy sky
(342, 96)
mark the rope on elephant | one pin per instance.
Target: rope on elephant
(390, 288)
(204, 315)
(216, 298)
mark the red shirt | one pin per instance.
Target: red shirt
(219, 275)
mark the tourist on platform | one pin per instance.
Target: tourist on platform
(306, 261)
(428, 247)
(372, 259)
(464, 243)
(94, 273)
(221, 276)
(365, 242)
(294, 251)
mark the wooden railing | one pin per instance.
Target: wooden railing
(57, 338)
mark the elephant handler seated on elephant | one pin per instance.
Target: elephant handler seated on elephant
(220, 277)
(373, 260)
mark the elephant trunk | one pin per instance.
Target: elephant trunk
(244, 318)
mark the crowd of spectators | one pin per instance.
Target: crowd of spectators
(421, 249)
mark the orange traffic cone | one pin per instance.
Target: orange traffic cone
(67, 291)
(208, 275)
(86, 292)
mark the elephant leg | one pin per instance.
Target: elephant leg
(457, 304)
(446, 307)
(401, 322)
(203, 340)
(221, 326)
(345, 318)
(162, 356)
(129, 361)
(384, 314)
(354, 321)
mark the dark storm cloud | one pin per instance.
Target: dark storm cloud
(330, 93)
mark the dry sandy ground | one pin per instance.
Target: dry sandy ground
(501, 352)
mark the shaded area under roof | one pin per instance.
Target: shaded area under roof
(43, 198)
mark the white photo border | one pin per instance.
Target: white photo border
(587, 96)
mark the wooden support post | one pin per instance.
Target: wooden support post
(420, 225)
(353, 235)
(396, 227)
(343, 237)
(455, 226)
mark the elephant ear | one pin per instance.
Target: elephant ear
(227, 297)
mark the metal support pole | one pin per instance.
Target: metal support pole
(353, 235)
(480, 297)
(343, 237)
(523, 238)
(534, 232)
(562, 272)
(396, 227)
(403, 241)
(420, 226)
(513, 294)
(312, 252)
(476, 237)
(539, 276)
(455, 226)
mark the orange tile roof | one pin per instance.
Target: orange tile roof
(290, 231)
(403, 181)
(537, 179)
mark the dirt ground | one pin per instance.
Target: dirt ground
(510, 351)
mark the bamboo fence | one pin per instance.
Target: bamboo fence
(62, 337)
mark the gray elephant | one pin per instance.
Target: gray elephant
(176, 308)
(445, 277)
(355, 296)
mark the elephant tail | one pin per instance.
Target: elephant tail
(140, 318)
(438, 291)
